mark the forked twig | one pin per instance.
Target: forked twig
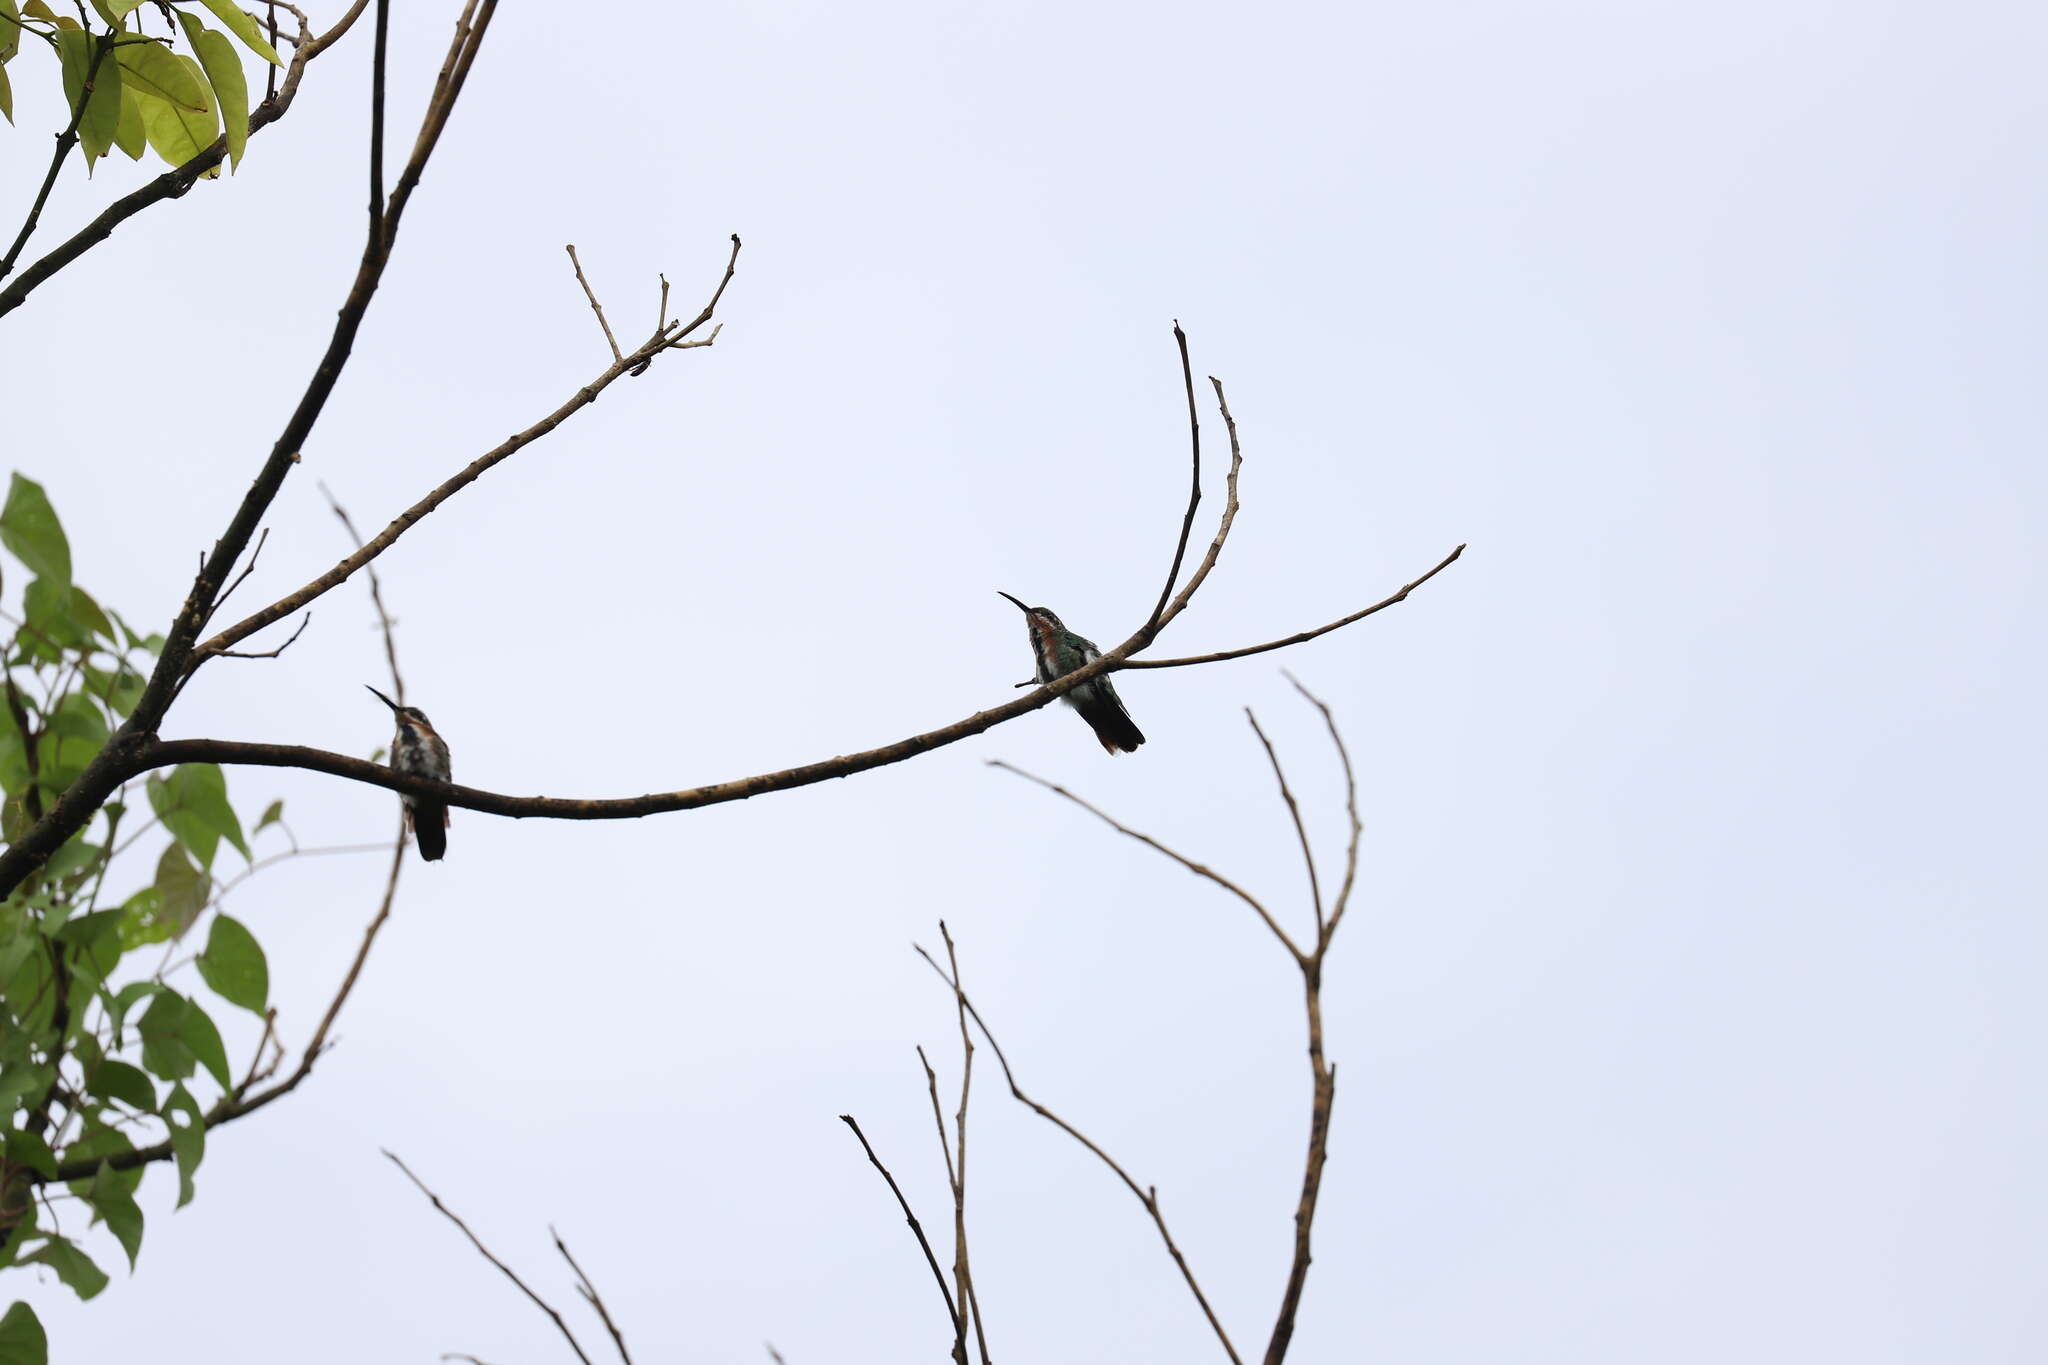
(1146, 1195)
(592, 1297)
(485, 1252)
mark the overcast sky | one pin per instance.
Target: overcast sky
(1692, 1007)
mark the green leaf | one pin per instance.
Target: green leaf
(129, 134)
(21, 1337)
(233, 965)
(47, 607)
(126, 998)
(10, 33)
(112, 1198)
(95, 943)
(243, 27)
(30, 529)
(175, 133)
(36, 9)
(203, 1039)
(272, 813)
(28, 1149)
(73, 1266)
(182, 889)
(6, 96)
(119, 691)
(115, 9)
(164, 1050)
(231, 89)
(116, 1080)
(87, 613)
(193, 803)
(150, 69)
(78, 51)
(188, 1139)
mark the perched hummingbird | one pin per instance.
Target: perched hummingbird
(417, 750)
(1059, 652)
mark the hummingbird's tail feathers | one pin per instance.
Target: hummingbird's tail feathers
(430, 829)
(1112, 724)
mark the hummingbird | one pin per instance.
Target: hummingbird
(1059, 652)
(420, 752)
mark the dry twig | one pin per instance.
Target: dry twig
(485, 1252)
(598, 308)
(923, 1242)
(1310, 963)
(1146, 1195)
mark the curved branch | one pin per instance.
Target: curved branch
(172, 184)
(1187, 521)
(1305, 635)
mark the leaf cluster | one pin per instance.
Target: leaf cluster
(131, 90)
(104, 1048)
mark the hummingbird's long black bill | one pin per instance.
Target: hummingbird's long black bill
(381, 697)
(1019, 605)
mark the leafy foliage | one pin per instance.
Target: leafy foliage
(129, 89)
(105, 1045)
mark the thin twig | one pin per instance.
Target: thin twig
(1350, 804)
(924, 1244)
(591, 1296)
(774, 1354)
(1306, 635)
(406, 520)
(485, 1252)
(269, 653)
(1187, 522)
(963, 1274)
(384, 620)
(1145, 1195)
(598, 308)
(1190, 864)
(1315, 887)
(247, 569)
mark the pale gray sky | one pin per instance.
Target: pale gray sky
(1691, 1012)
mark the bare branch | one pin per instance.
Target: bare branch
(1190, 864)
(469, 474)
(592, 1297)
(963, 1274)
(270, 653)
(254, 555)
(1187, 522)
(485, 1252)
(598, 308)
(1350, 804)
(1315, 888)
(384, 622)
(1305, 635)
(1146, 1195)
(952, 1310)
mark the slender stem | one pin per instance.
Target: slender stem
(66, 140)
(916, 1228)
